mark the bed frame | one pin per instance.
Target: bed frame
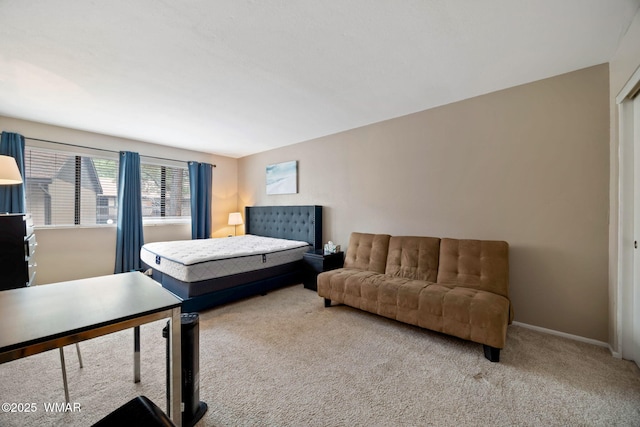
(302, 223)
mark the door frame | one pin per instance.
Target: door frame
(625, 292)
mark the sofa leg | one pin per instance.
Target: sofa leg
(491, 353)
(327, 302)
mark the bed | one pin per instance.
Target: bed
(209, 272)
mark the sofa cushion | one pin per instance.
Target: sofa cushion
(344, 285)
(475, 264)
(476, 315)
(470, 314)
(367, 252)
(370, 291)
(413, 257)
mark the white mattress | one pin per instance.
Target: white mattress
(202, 259)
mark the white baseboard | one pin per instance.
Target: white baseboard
(615, 354)
(570, 336)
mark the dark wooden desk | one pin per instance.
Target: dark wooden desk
(45, 317)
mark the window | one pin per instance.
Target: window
(165, 192)
(66, 188)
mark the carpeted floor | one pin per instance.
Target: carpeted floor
(285, 360)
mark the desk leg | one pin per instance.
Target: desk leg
(136, 354)
(175, 366)
(64, 375)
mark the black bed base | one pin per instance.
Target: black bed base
(260, 287)
(215, 292)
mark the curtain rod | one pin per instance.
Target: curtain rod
(99, 149)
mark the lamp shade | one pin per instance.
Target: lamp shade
(235, 218)
(9, 173)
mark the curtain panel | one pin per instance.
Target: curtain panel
(129, 237)
(200, 175)
(12, 198)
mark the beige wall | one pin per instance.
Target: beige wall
(529, 165)
(623, 64)
(79, 252)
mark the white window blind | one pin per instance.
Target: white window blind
(66, 188)
(165, 192)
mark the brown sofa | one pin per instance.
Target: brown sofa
(458, 287)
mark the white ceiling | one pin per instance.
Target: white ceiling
(236, 77)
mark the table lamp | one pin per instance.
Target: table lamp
(9, 173)
(235, 219)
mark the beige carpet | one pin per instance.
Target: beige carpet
(286, 360)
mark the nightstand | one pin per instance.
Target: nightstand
(316, 262)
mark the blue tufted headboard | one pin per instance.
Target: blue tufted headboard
(286, 222)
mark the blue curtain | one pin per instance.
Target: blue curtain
(129, 238)
(200, 175)
(12, 196)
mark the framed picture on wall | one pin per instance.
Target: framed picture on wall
(282, 178)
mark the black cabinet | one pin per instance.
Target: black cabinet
(316, 262)
(17, 246)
